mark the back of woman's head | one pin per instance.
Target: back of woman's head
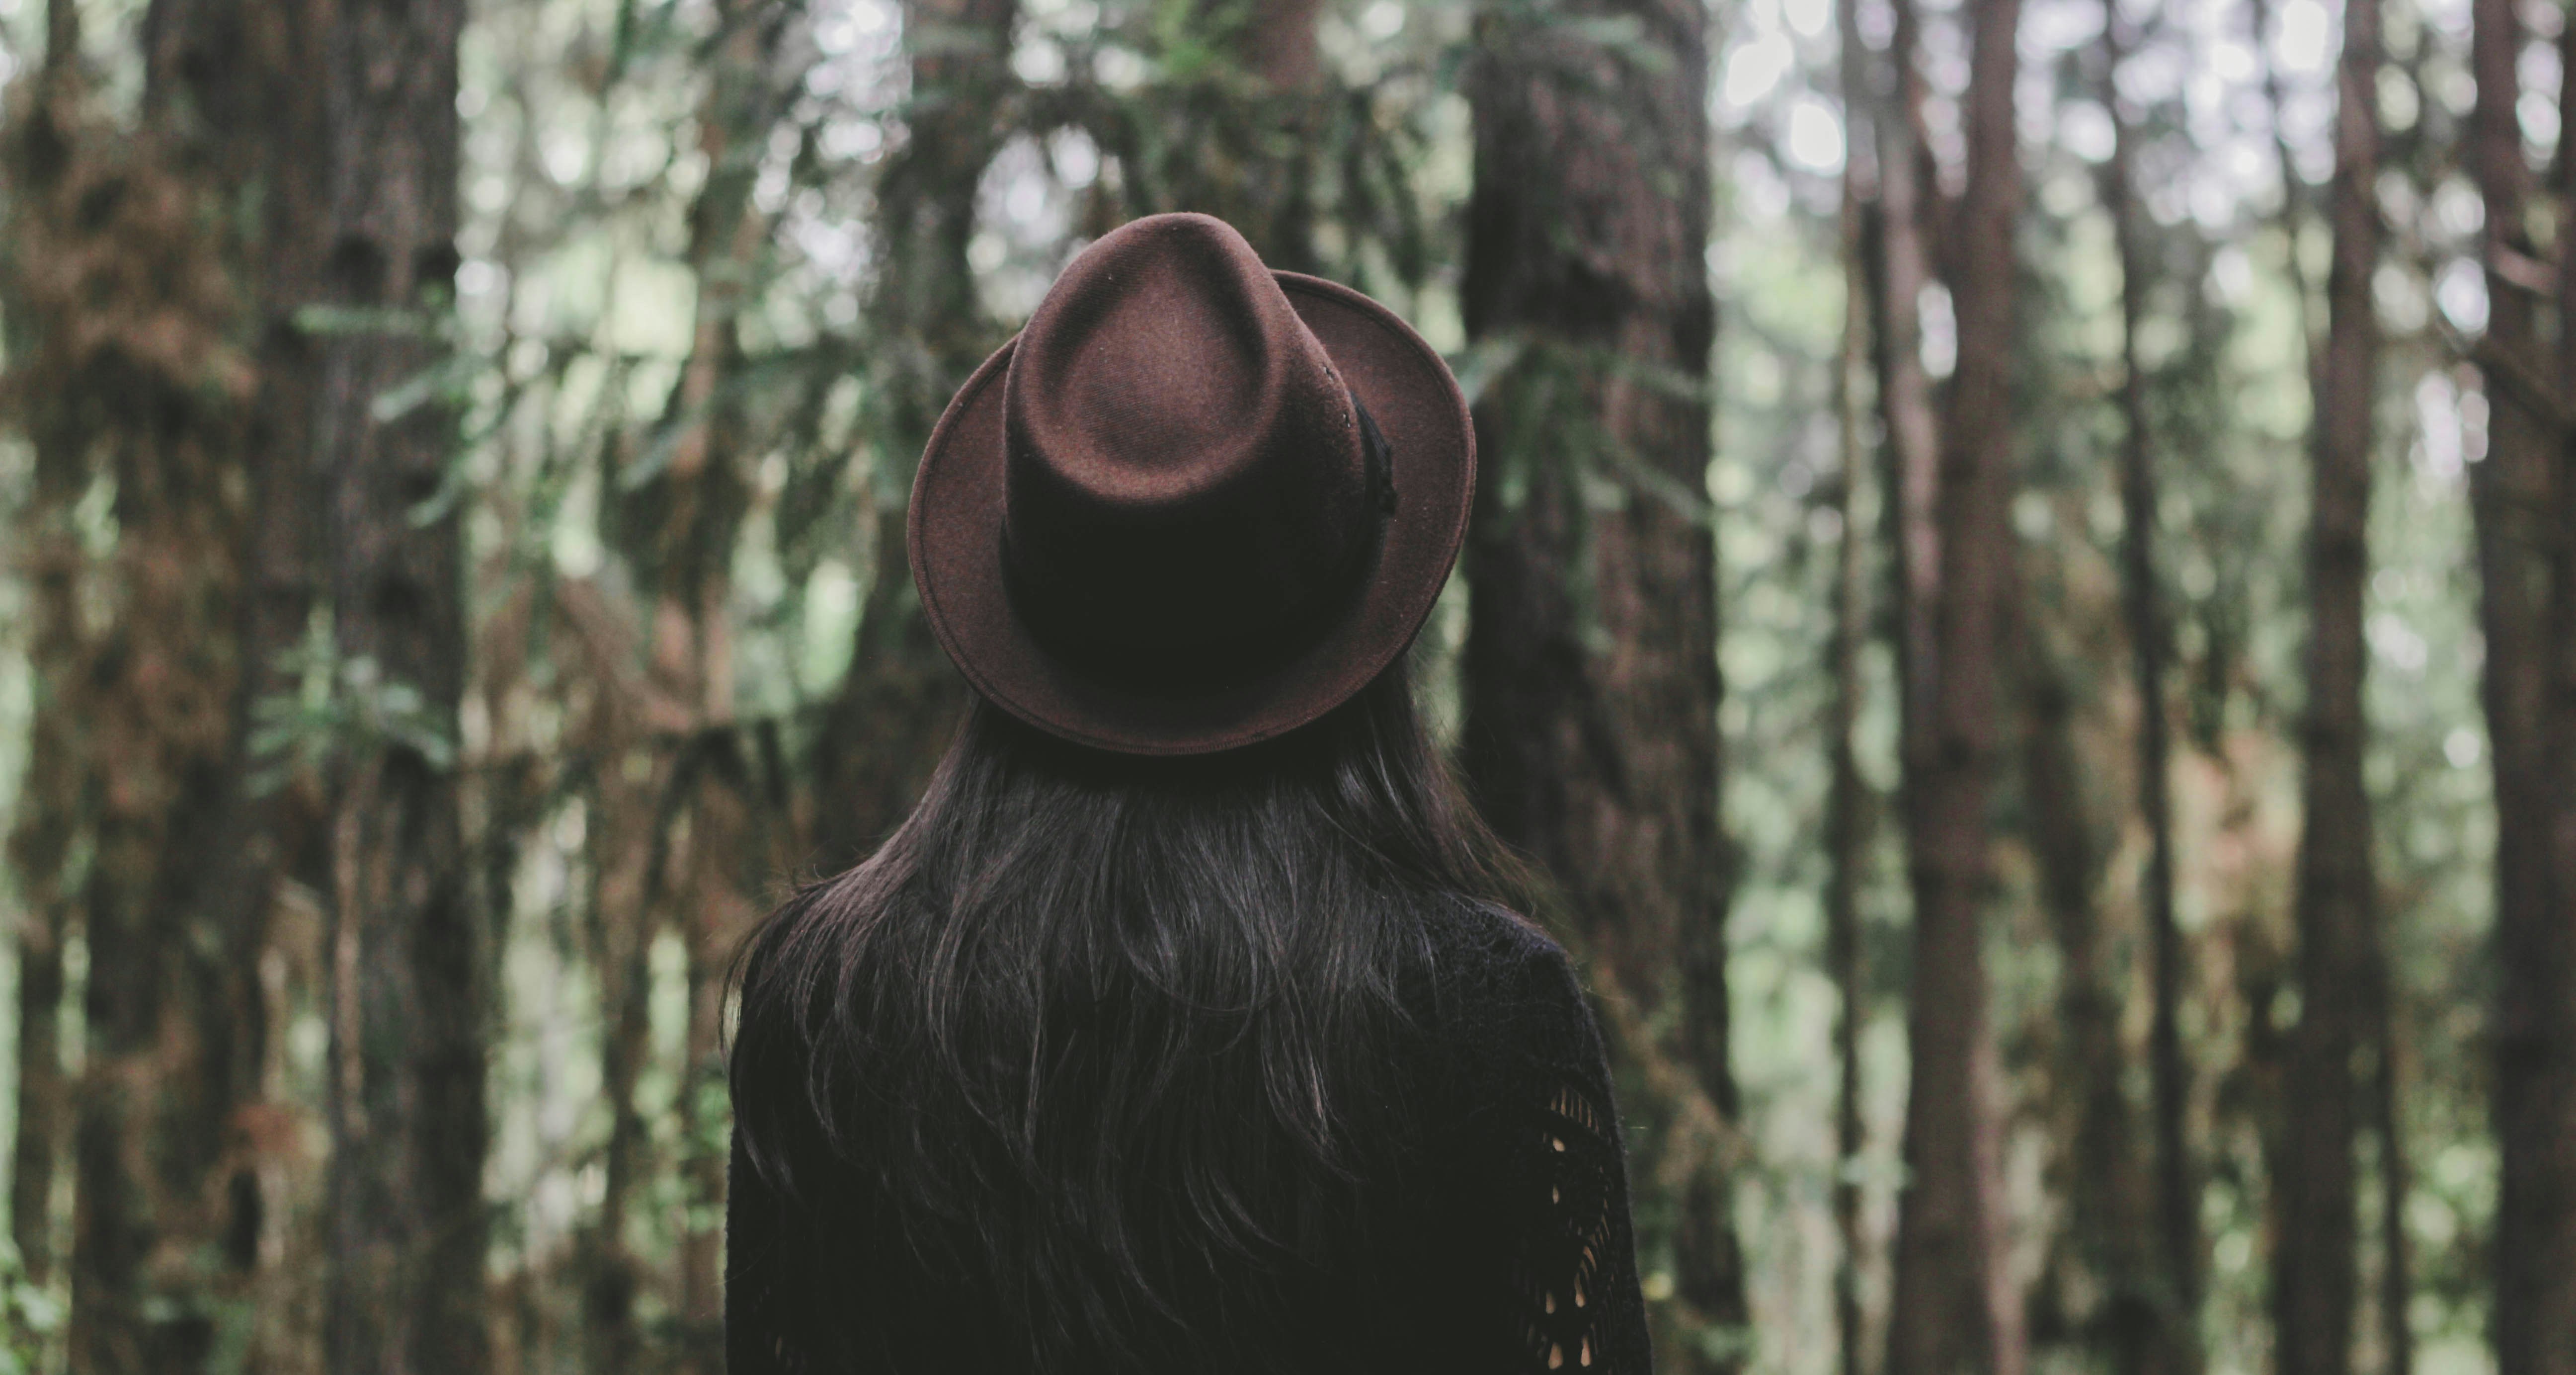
(1113, 1041)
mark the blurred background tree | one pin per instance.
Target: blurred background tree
(2024, 593)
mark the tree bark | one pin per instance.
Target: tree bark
(629, 819)
(408, 1117)
(1935, 211)
(2536, 1282)
(1902, 268)
(1955, 1308)
(1240, 138)
(131, 295)
(2396, 1255)
(44, 1090)
(55, 795)
(2174, 1335)
(628, 822)
(2100, 1170)
(2519, 494)
(2336, 908)
(231, 88)
(1847, 792)
(902, 699)
(1590, 676)
(161, 1068)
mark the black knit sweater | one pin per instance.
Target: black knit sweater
(1510, 1238)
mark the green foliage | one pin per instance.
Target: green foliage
(345, 707)
(31, 1317)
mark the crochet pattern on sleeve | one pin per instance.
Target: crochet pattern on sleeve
(1572, 1150)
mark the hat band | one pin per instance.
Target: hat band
(1379, 457)
(1211, 652)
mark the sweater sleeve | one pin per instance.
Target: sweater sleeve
(1563, 1172)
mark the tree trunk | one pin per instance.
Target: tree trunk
(1935, 212)
(1241, 138)
(2336, 910)
(1590, 677)
(408, 1122)
(1271, 191)
(129, 298)
(902, 700)
(735, 827)
(2519, 493)
(236, 95)
(2175, 1336)
(629, 820)
(1847, 796)
(2396, 1264)
(1955, 1308)
(2100, 1171)
(55, 795)
(2537, 1045)
(627, 826)
(160, 1072)
(44, 1090)
(1901, 268)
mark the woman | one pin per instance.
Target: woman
(1182, 1027)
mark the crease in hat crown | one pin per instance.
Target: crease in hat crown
(1211, 282)
(1186, 491)
(1158, 521)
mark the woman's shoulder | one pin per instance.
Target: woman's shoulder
(1500, 974)
(1475, 930)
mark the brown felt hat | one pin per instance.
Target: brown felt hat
(1195, 503)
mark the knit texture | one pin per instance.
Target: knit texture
(1509, 1242)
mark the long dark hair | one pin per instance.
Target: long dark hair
(1113, 1041)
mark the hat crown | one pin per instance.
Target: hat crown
(1187, 489)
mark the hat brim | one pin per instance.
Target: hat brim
(955, 532)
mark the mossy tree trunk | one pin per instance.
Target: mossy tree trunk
(1590, 678)
(46, 844)
(137, 309)
(408, 1119)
